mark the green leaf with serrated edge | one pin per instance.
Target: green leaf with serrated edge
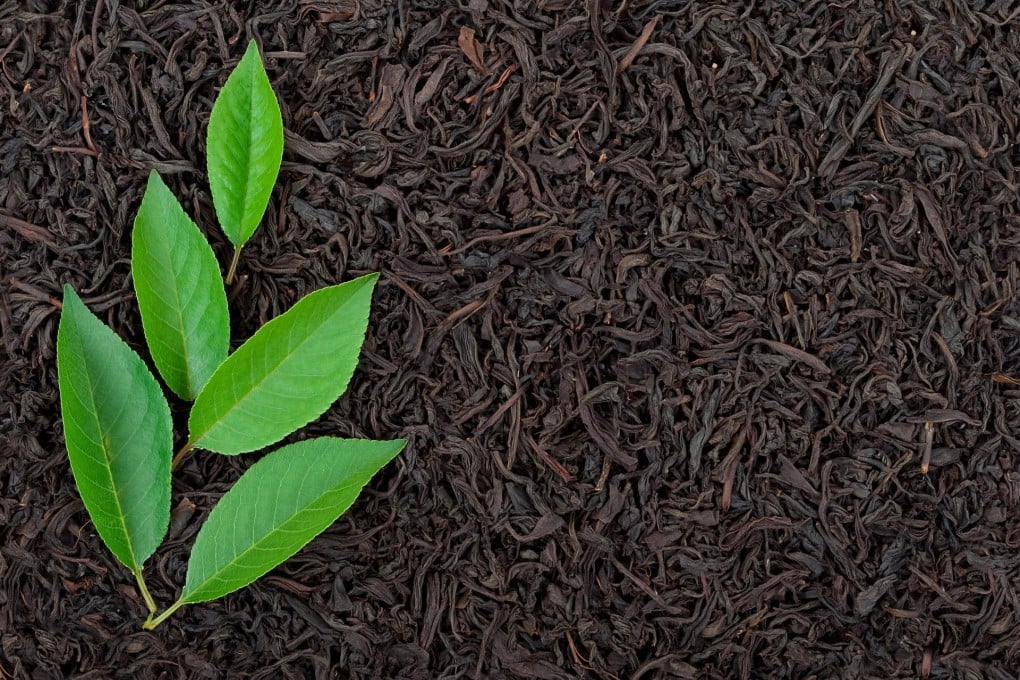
(180, 292)
(281, 503)
(245, 147)
(118, 432)
(285, 375)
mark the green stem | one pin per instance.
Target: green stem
(233, 266)
(153, 621)
(179, 456)
(149, 602)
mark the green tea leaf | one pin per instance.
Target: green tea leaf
(118, 433)
(285, 375)
(179, 290)
(281, 503)
(245, 147)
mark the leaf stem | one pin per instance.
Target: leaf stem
(233, 266)
(179, 456)
(149, 602)
(153, 620)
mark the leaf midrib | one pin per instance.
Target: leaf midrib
(340, 487)
(241, 204)
(107, 454)
(189, 385)
(250, 106)
(197, 440)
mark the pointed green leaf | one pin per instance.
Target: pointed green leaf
(180, 292)
(245, 147)
(118, 433)
(287, 374)
(281, 503)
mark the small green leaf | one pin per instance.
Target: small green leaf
(245, 147)
(281, 503)
(179, 290)
(118, 433)
(285, 375)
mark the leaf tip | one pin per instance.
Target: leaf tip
(154, 179)
(370, 279)
(70, 295)
(252, 51)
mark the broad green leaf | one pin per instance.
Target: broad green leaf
(245, 147)
(285, 375)
(281, 503)
(180, 292)
(118, 433)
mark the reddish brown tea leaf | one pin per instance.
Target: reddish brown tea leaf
(635, 49)
(472, 49)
